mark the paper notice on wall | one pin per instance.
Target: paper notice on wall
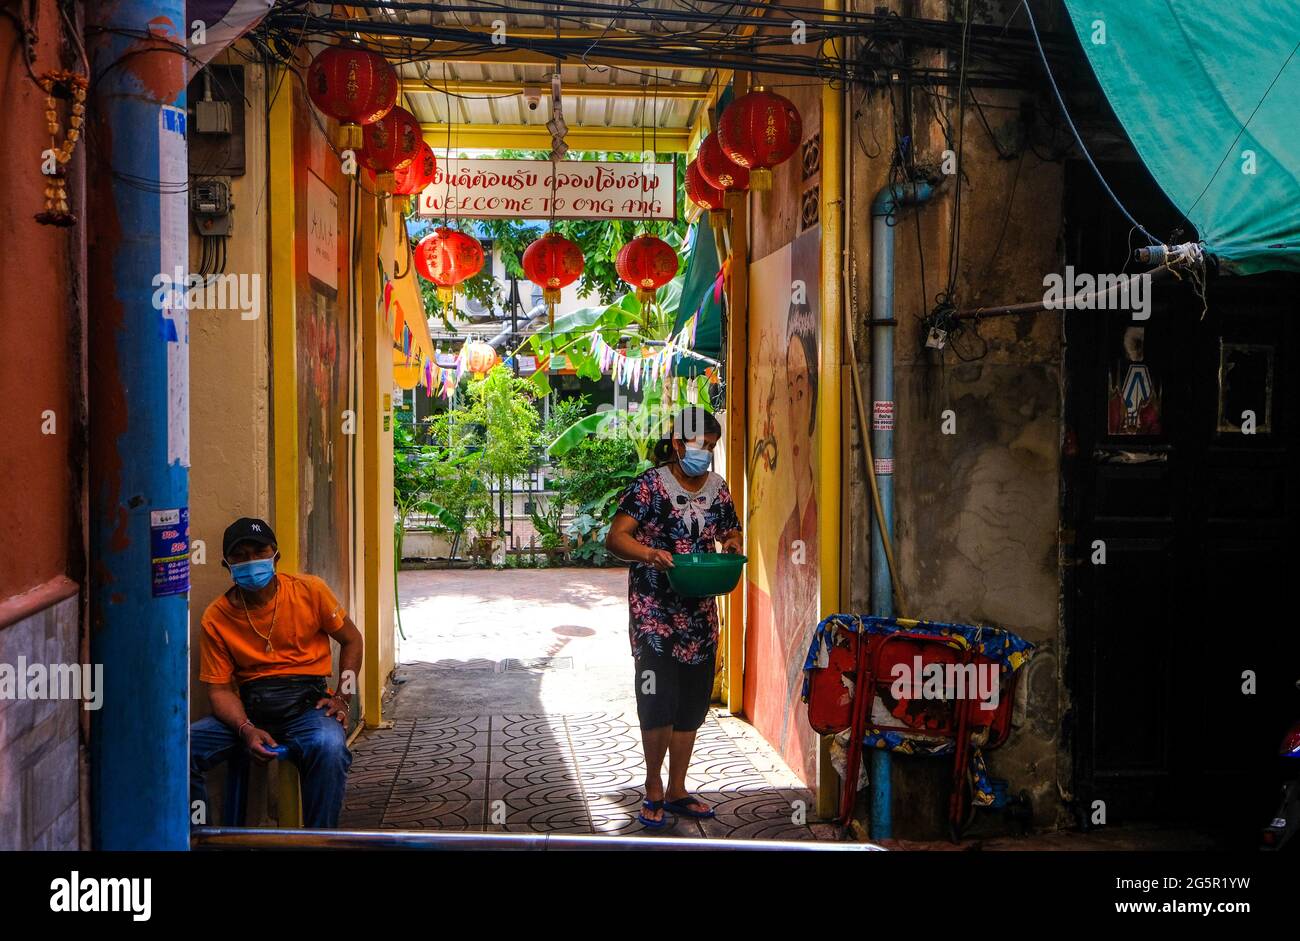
(174, 258)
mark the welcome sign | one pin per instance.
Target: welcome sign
(538, 189)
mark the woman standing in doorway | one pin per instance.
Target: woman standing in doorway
(679, 506)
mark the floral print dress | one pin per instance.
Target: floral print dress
(674, 519)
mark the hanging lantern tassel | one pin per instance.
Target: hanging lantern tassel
(446, 294)
(552, 297)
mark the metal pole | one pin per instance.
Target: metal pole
(139, 427)
(266, 839)
(884, 210)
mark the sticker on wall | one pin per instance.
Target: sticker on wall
(169, 551)
(1134, 400)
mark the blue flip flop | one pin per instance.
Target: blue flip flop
(682, 806)
(646, 821)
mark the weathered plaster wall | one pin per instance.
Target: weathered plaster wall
(977, 510)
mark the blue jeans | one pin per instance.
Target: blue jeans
(317, 746)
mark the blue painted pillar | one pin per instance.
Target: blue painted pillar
(139, 424)
(884, 209)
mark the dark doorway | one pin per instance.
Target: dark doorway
(1195, 514)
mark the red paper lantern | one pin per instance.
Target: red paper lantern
(759, 131)
(718, 170)
(703, 193)
(354, 86)
(447, 257)
(647, 263)
(552, 263)
(415, 176)
(390, 144)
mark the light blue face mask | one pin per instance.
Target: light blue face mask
(695, 462)
(253, 575)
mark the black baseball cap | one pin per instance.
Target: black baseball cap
(247, 529)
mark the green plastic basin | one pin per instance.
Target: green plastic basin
(705, 574)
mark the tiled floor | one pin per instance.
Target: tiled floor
(482, 742)
(561, 773)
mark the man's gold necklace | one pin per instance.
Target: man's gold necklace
(274, 611)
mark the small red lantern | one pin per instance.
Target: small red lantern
(480, 357)
(447, 257)
(647, 263)
(759, 131)
(415, 176)
(718, 170)
(704, 194)
(392, 143)
(552, 263)
(354, 86)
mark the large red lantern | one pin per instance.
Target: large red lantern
(719, 170)
(354, 86)
(704, 194)
(647, 263)
(759, 131)
(447, 257)
(390, 144)
(552, 263)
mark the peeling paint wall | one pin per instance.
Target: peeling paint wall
(977, 511)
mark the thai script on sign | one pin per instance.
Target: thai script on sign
(538, 189)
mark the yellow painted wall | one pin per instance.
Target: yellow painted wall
(230, 390)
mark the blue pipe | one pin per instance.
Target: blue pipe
(139, 428)
(884, 210)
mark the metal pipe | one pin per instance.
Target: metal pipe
(219, 838)
(1077, 302)
(884, 210)
(139, 427)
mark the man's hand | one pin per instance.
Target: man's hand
(256, 741)
(336, 706)
(659, 558)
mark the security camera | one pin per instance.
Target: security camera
(533, 96)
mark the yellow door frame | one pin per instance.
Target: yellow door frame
(284, 327)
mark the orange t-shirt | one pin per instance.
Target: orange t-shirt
(308, 614)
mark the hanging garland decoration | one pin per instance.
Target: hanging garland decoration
(759, 131)
(447, 257)
(633, 372)
(62, 84)
(552, 262)
(354, 86)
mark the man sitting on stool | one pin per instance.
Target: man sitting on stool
(265, 657)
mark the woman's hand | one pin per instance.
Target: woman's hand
(658, 558)
(733, 542)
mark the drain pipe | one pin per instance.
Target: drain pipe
(884, 211)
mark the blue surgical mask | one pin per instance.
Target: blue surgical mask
(695, 462)
(253, 575)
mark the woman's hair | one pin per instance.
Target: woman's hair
(687, 423)
(802, 326)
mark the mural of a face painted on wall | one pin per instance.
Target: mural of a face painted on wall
(783, 571)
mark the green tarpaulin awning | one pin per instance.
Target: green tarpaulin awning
(698, 296)
(1209, 95)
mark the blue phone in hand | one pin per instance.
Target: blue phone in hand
(279, 751)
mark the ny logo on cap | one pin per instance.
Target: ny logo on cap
(255, 528)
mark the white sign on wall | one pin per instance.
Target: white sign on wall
(481, 188)
(322, 232)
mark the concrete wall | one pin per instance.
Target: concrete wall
(230, 388)
(42, 453)
(976, 511)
